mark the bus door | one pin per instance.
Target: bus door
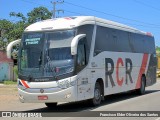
(81, 63)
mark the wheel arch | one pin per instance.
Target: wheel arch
(100, 81)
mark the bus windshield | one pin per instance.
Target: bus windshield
(46, 54)
(58, 58)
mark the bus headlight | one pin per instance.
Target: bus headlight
(65, 84)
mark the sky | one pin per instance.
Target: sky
(141, 14)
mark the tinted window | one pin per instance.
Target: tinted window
(88, 30)
(108, 39)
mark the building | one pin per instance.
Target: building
(6, 67)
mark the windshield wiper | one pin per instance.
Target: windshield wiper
(49, 65)
(40, 60)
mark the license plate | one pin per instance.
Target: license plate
(44, 97)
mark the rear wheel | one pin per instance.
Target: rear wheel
(51, 105)
(141, 90)
(97, 95)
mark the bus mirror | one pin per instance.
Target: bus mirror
(74, 43)
(10, 46)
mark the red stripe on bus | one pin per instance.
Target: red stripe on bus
(142, 70)
(24, 84)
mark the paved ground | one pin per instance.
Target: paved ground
(120, 102)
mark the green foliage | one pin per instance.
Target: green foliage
(13, 30)
(158, 51)
(9, 82)
(10, 31)
(40, 13)
(20, 15)
(15, 69)
(158, 48)
(5, 27)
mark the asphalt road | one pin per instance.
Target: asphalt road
(119, 102)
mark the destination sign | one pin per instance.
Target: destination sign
(33, 39)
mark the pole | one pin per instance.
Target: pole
(54, 8)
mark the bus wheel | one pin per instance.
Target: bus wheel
(51, 105)
(141, 90)
(97, 95)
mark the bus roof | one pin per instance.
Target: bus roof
(75, 21)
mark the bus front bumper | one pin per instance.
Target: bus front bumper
(64, 95)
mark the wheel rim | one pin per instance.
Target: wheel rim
(97, 94)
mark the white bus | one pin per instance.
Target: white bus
(83, 58)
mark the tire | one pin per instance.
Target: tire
(141, 90)
(51, 105)
(96, 100)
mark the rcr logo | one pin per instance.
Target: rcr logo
(109, 71)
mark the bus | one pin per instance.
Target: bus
(80, 58)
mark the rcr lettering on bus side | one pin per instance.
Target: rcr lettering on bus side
(109, 70)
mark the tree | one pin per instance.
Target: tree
(5, 27)
(158, 51)
(17, 31)
(37, 14)
(20, 15)
(13, 30)
(10, 31)
(40, 13)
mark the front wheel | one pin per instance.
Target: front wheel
(96, 100)
(51, 105)
(141, 90)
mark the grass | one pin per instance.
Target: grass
(9, 82)
(15, 69)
